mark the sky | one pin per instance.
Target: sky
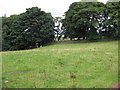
(55, 7)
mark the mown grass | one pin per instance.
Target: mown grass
(62, 65)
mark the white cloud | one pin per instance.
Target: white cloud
(56, 7)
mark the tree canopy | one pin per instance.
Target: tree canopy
(112, 26)
(91, 20)
(30, 29)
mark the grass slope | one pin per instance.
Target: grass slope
(63, 65)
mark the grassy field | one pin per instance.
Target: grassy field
(62, 65)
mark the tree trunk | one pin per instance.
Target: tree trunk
(83, 37)
(78, 39)
(42, 44)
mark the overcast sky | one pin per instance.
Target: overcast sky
(55, 7)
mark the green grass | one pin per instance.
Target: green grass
(63, 65)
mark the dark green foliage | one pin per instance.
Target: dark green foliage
(82, 18)
(112, 29)
(92, 20)
(27, 30)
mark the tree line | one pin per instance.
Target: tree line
(83, 20)
(30, 29)
(92, 20)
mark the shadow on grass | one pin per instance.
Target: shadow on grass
(83, 41)
(71, 42)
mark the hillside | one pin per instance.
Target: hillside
(62, 65)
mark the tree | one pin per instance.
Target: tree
(82, 19)
(38, 26)
(27, 30)
(112, 19)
